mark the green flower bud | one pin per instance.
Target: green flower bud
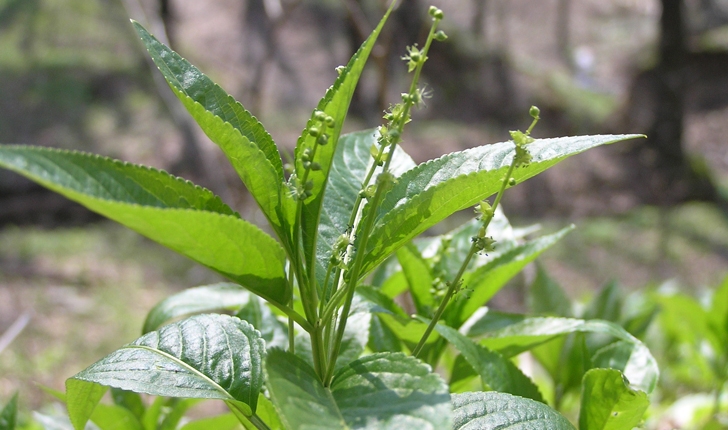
(534, 112)
(329, 121)
(323, 139)
(315, 166)
(319, 116)
(512, 182)
(314, 131)
(440, 36)
(436, 13)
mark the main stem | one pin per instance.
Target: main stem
(353, 280)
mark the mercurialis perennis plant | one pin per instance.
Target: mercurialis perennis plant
(310, 331)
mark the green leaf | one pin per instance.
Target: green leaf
(348, 172)
(434, 190)
(641, 367)
(218, 422)
(381, 337)
(546, 297)
(204, 357)
(272, 330)
(496, 371)
(403, 327)
(607, 402)
(169, 210)
(129, 400)
(335, 104)
(9, 414)
(718, 314)
(380, 391)
(493, 411)
(455, 245)
(245, 142)
(114, 417)
(81, 400)
(683, 318)
(607, 305)
(487, 280)
(417, 272)
(207, 298)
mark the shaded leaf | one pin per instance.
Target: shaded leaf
(493, 411)
(487, 280)
(129, 400)
(607, 402)
(419, 278)
(348, 171)
(207, 298)
(607, 305)
(169, 210)
(496, 371)
(380, 391)
(9, 414)
(546, 297)
(205, 356)
(114, 417)
(219, 422)
(272, 330)
(641, 367)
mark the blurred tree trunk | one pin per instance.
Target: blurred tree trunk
(668, 175)
(666, 132)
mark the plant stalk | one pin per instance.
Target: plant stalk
(353, 281)
(454, 285)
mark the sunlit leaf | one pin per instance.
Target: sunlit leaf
(607, 402)
(169, 210)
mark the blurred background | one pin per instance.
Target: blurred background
(74, 75)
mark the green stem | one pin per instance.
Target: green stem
(451, 290)
(318, 350)
(258, 423)
(369, 222)
(324, 296)
(353, 280)
(295, 316)
(291, 336)
(453, 287)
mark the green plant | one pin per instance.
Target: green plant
(347, 355)
(693, 339)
